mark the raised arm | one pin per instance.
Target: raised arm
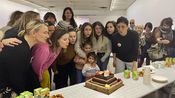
(108, 51)
(78, 49)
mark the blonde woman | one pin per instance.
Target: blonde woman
(9, 36)
(15, 62)
(21, 23)
(13, 18)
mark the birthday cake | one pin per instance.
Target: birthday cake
(105, 82)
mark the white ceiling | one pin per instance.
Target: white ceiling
(76, 4)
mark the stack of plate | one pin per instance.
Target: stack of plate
(159, 79)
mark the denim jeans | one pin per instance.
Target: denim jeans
(80, 77)
(170, 52)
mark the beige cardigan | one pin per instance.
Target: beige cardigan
(102, 45)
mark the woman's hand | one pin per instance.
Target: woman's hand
(81, 61)
(102, 59)
(11, 42)
(159, 40)
(165, 42)
(1, 46)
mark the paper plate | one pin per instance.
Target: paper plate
(159, 79)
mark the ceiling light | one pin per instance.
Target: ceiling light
(36, 10)
(103, 7)
(112, 5)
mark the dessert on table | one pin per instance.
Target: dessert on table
(105, 82)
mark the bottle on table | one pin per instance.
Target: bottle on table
(147, 75)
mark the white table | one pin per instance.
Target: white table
(131, 89)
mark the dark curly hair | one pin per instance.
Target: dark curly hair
(122, 20)
(92, 54)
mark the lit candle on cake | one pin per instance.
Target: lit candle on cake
(106, 73)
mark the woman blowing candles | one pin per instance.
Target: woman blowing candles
(64, 66)
(15, 62)
(44, 54)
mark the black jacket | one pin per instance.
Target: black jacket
(15, 68)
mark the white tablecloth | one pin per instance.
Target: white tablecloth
(131, 89)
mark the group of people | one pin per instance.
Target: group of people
(156, 44)
(32, 50)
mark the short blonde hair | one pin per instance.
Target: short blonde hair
(139, 28)
(32, 25)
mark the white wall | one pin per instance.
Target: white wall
(151, 10)
(102, 16)
(104, 19)
(91, 16)
(7, 7)
(141, 10)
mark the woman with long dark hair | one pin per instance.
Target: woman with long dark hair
(68, 16)
(101, 45)
(68, 19)
(44, 54)
(110, 29)
(65, 67)
(84, 35)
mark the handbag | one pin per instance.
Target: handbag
(156, 52)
